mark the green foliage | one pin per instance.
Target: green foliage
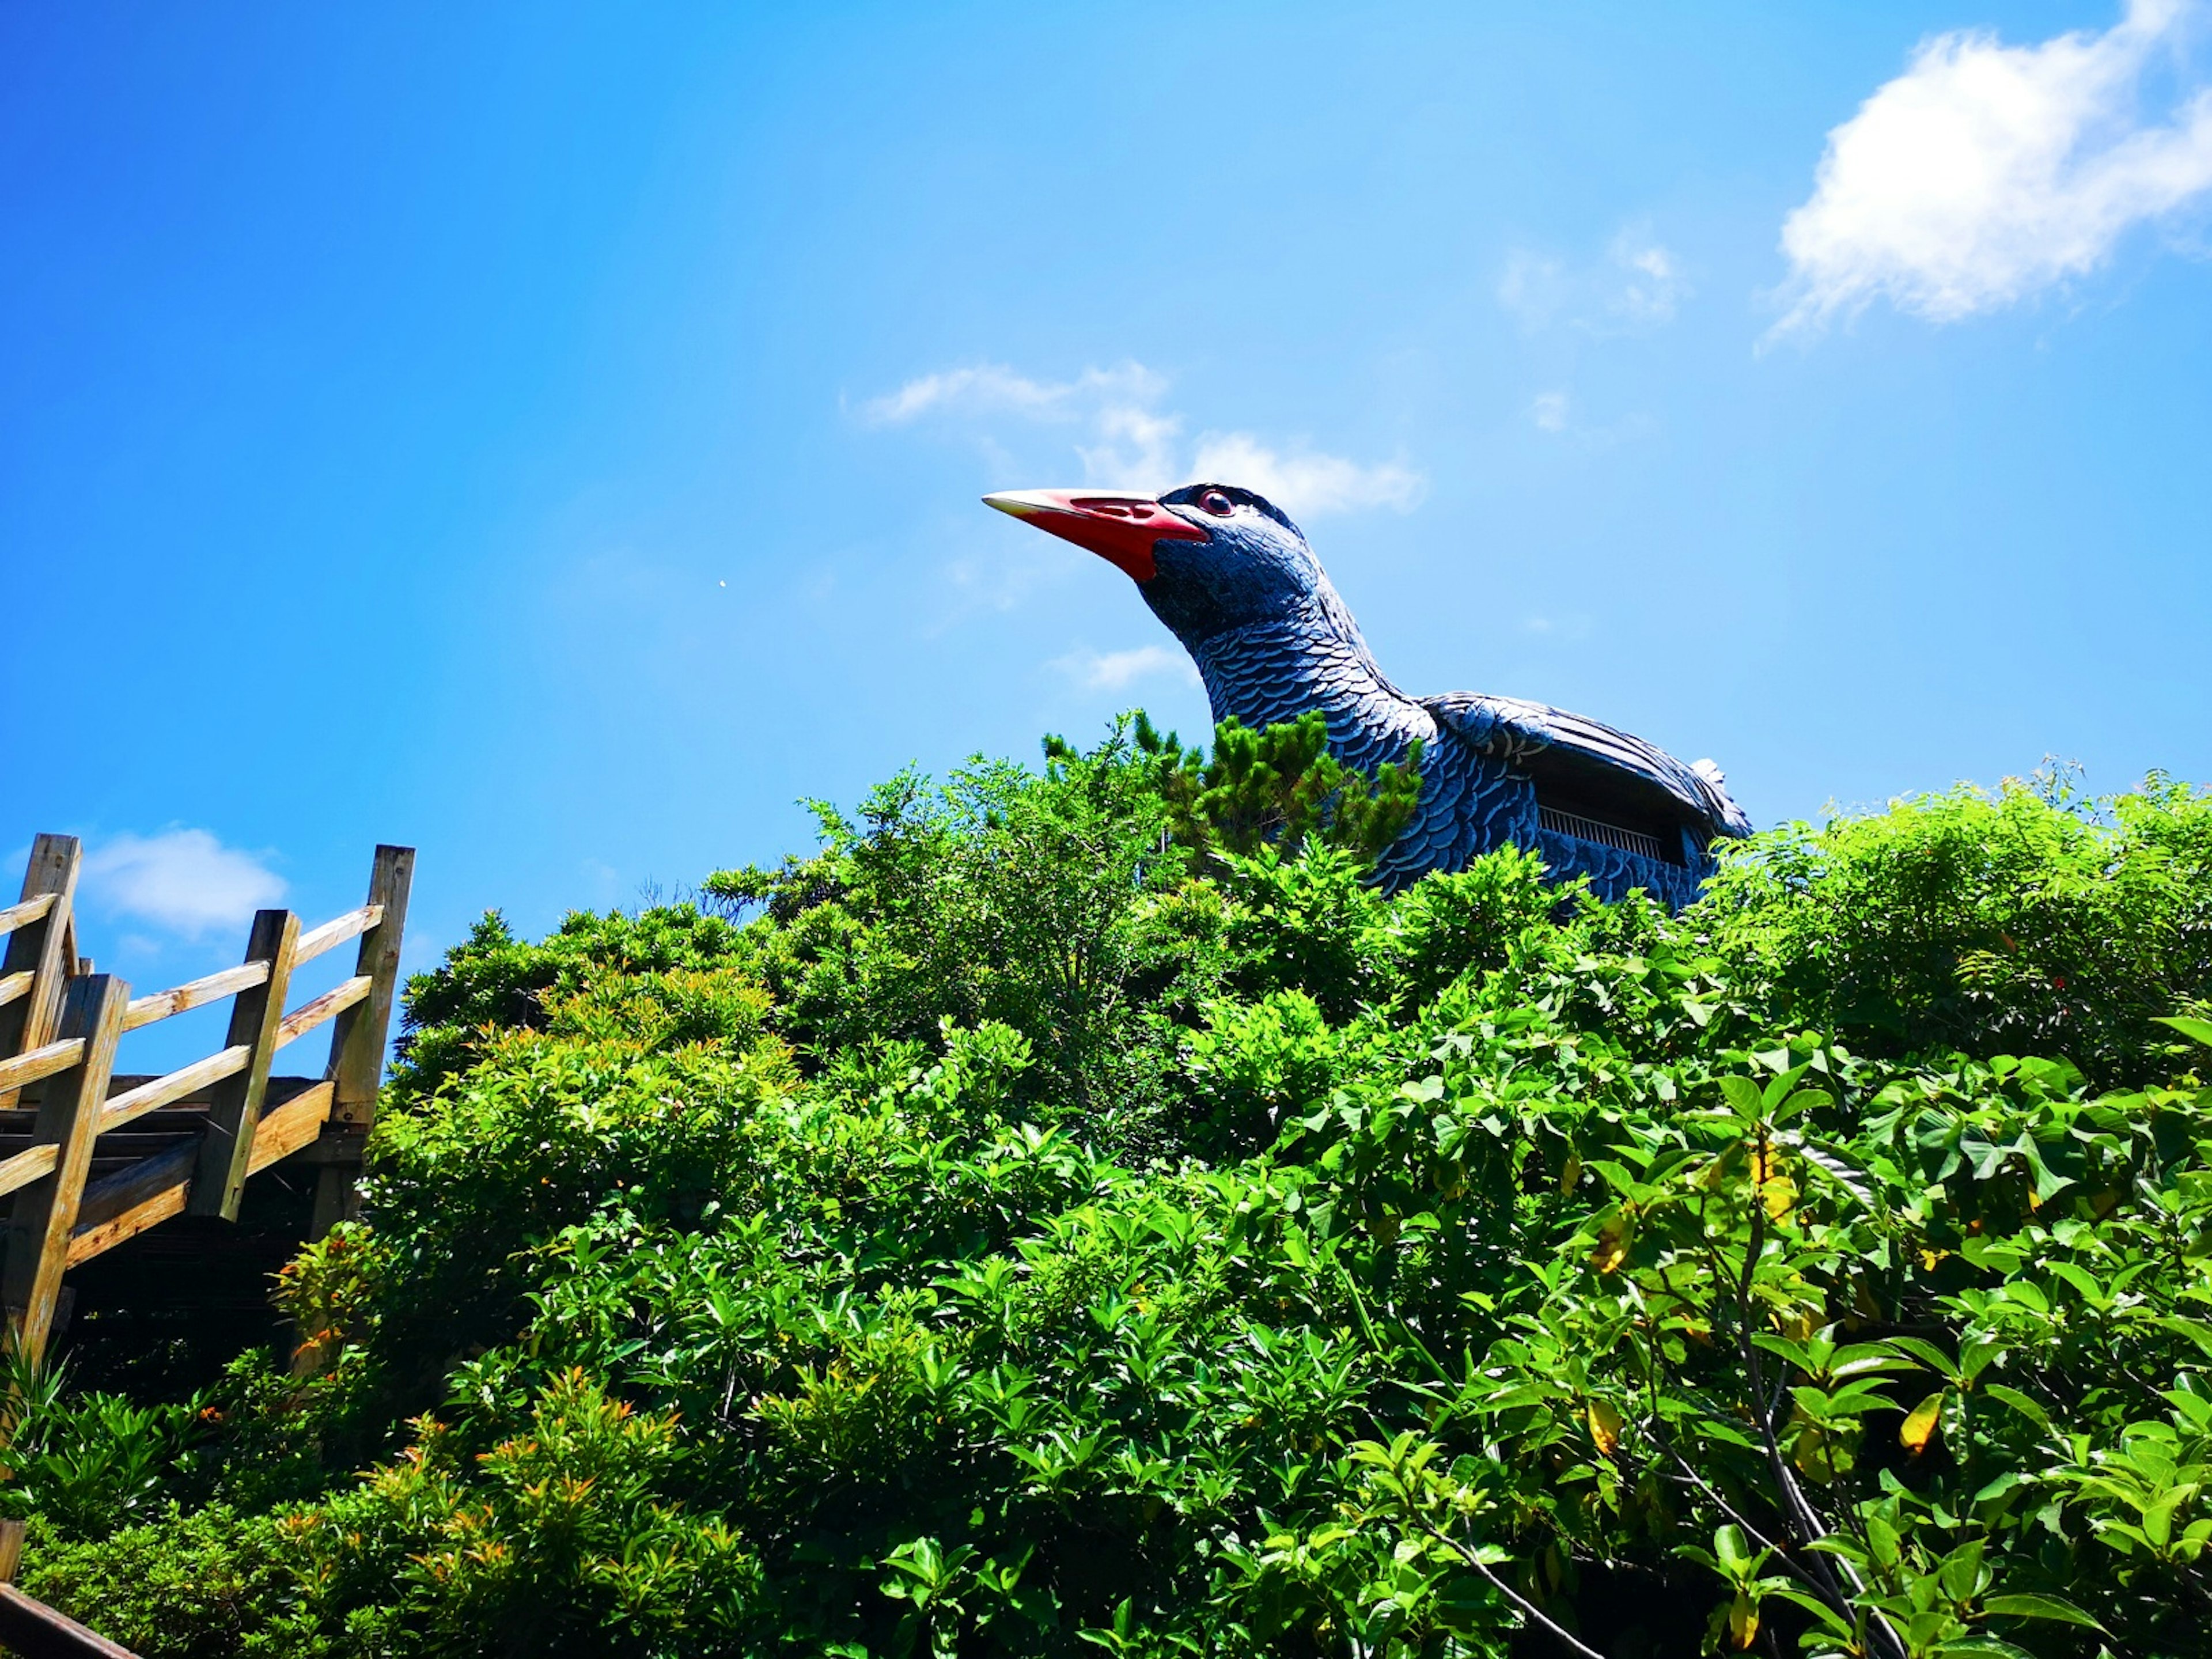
(1077, 1210)
(207, 1583)
(2026, 920)
(1277, 787)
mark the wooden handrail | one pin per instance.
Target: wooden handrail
(31, 1628)
(40, 1063)
(23, 914)
(309, 1015)
(336, 931)
(28, 1166)
(173, 1087)
(195, 993)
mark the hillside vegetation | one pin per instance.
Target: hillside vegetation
(1072, 1212)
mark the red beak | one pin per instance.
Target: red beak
(1122, 528)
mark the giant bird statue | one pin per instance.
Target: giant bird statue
(1233, 579)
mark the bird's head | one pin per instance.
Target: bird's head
(1207, 557)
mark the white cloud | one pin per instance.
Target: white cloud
(1549, 411)
(1986, 172)
(1637, 286)
(1130, 442)
(1114, 670)
(1305, 482)
(183, 880)
(994, 386)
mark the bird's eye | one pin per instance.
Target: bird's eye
(1217, 503)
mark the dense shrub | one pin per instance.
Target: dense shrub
(1072, 1210)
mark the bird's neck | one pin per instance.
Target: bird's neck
(1268, 673)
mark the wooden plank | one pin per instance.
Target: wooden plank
(196, 993)
(333, 933)
(292, 1126)
(37, 947)
(45, 1214)
(358, 1037)
(328, 1006)
(26, 912)
(176, 1085)
(128, 1202)
(31, 1628)
(28, 1166)
(40, 1063)
(227, 1148)
(132, 1188)
(15, 985)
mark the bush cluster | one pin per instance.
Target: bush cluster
(1073, 1210)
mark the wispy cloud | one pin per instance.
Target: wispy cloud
(993, 387)
(1310, 483)
(1637, 285)
(1127, 438)
(184, 881)
(1114, 670)
(1549, 411)
(1986, 172)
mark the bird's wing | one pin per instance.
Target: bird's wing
(1514, 731)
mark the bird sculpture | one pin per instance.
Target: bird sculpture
(1234, 580)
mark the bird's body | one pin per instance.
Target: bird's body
(1233, 579)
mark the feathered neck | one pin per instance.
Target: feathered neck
(1313, 657)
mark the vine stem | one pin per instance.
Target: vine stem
(1528, 1609)
(1796, 1508)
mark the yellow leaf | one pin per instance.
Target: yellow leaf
(1919, 1428)
(1573, 1173)
(1613, 1241)
(1743, 1623)
(1604, 1426)
(1780, 1192)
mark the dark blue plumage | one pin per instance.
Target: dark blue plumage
(1233, 579)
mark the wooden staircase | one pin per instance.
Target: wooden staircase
(94, 1157)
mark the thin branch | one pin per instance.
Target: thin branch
(1528, 1609)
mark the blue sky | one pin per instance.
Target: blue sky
(550, 435)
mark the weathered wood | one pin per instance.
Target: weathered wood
(165, 1091)
(167, 1173)
(46, 1212)
(332, 1003)
(11, 1549)
(28, 1166)
(15, 985)
(37, 948)
(33, 1630)
(122, 1205)
(292, 1126)
(357, 1039)
(227, 1150)
(40, 1063)
(195, 993)
(24, 913)
(337, 931)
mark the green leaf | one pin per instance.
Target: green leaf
(1744, 1097)
(2018, 1401)
(2198, 1029)
(2032, 1606)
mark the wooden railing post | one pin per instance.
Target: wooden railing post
(358, 1037)
(42, 949)
(69, 1119)
(234, 1109)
